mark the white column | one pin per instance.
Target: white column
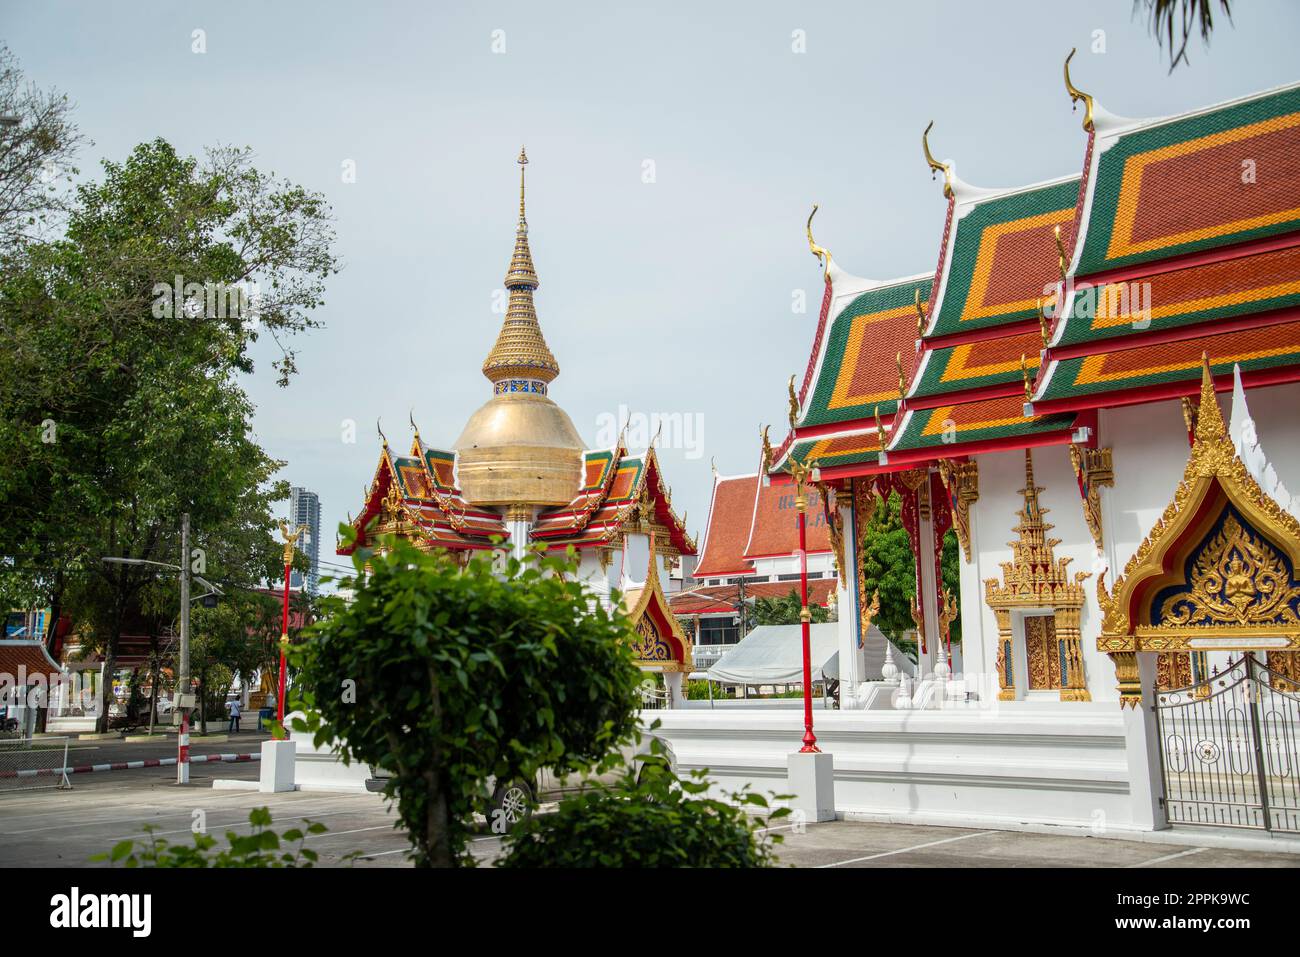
(1146, 786)
(850, 619)
(675, 682)
(928, 599)
(978, 650)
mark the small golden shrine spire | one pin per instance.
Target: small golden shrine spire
(520, 361)
(1032, 529)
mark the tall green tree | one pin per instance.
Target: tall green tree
(120, 405)
(890, 570)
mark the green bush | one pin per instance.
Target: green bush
(449, 675)
(262, 847)
(651, 819)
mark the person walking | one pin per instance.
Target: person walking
(233, 706)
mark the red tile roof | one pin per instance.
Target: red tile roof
(730, 514)
(714, 599)
(28, 655)
(774, 526)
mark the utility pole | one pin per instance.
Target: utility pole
(183, 679)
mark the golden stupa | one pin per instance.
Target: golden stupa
(519, 450)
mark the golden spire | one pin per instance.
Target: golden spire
(1032, 529)
(521, 353)
(1209, 419)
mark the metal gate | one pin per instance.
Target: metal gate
(1230, 748)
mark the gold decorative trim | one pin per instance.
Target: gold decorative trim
(1036, 579)
(1235, 576)
(865, 498)
(1092, 467)
(962, 480)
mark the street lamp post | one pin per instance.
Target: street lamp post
(800, 473)
(289, 541)
(183, 678)
(183, 668)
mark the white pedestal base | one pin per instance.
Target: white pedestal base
(277, 768)
(812, 782)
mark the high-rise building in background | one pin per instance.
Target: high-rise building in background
(304, 509)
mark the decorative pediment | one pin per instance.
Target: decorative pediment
(659, 643)
(1218, 570)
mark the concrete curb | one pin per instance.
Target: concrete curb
(1178, 836)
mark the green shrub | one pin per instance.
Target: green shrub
(650, 819)
(449, 675)
(262, 847)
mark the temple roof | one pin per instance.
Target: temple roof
(997, 261)
(731, 512)
(416, 495)
(856, 370)
(749, 521)
(1188, 240)
(1213, 177)
(720, 599)
(620, 492)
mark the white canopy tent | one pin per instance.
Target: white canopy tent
(773, 655)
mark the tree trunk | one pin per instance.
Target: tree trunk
(438, 849)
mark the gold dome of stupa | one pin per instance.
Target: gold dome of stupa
(520, 448)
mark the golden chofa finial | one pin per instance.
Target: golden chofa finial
(767, 449)
(935, 164)
(794, 404)
(1077, 94)
(380, 430)
(823, 255)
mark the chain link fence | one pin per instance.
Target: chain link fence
(30, 763)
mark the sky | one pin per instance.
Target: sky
(675, 151)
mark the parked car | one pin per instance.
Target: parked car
(513, 802)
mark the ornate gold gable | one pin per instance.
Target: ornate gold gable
(1036, 579)
(660, 643)
(1218, 570)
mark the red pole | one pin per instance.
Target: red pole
(284, 641)
(809, 739)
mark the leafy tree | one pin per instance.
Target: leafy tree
(784, 610)
(122, 411)
(889, 568)
(36, 155)
(651, 819)
(449, 674)
(1183, 16)
(950, 565)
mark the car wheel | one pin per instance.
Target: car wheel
(512, 805)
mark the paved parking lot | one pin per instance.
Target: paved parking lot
(49, 828)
